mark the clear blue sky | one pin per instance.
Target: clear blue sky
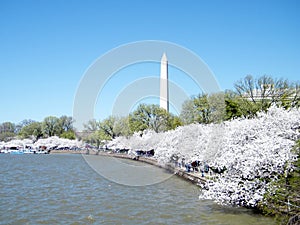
(46, 46)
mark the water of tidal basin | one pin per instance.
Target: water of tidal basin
(63, 189)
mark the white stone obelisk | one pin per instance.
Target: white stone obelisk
(164, 86)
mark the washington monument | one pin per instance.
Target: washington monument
(164, 86)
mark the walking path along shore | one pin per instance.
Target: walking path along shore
(192, 177)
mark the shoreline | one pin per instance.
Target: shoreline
(181, 173)
(191, 177)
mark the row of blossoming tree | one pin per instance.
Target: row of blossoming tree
(50, 126)
(249, 96)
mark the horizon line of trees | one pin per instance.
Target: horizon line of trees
(249, 97)
(50, 126)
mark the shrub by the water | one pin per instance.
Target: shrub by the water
(283, 199)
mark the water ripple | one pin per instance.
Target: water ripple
(63, 189)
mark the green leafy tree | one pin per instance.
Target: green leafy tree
(32, 130)
(238, 107)
(91, 134)
(151, 117)
(204, 108)
(22, 124)
(7, 131)
(114, 126)
(92, 138)
(188, 114)
(121, 127)
(68, 135)
(173, 122)
(7, 127)
(51, 126)
(295, 99)
(66, 123)
(217, 107)
(91, 126)
(107, 128)
(66, 127)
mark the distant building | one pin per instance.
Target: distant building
(268, 92)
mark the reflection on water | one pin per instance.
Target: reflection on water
(63, 189)
(127, 172)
